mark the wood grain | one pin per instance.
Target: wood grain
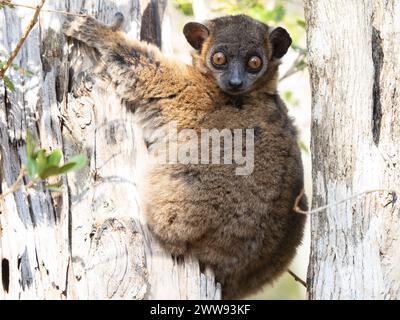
(354, 63)
(90, 241)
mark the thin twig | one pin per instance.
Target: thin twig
(319, 209)
(30, 184)
(293, 69)
(22, 40)
(16, 185)
(297, 278)
(52, 10)
(296, 206)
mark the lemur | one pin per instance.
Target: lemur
(242, 226)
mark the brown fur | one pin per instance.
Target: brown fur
(242, 226)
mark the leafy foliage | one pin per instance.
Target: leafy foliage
(186, 6)
(8, 83)
(257, 10)
(23, 72)
(15, 67)
(303, 147)
(289, 97)
(42, 165)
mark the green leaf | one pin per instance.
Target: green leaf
(302, 146)
(75, 163)
(28, 73)
(70, 166)
(80, 161)
(290, 98)
(279, 13)
(301, 65)
(15, 66)
(47, 166)
(297, 48)
(54, 158)
(32, 169)
(186, 6)
(41, 162)
(288, 95)
(56, 187)
(50, 171)
(8, 83)
(30, 145)
(301, 23)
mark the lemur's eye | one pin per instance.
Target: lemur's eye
(218, 59)
(254, 63)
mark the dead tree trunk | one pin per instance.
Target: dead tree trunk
(90, 241)
(354, 64)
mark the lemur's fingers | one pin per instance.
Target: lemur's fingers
(118, 21)
(87, 30)
(83, 11)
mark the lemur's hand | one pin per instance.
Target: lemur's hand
(133, 66)
(91, 31)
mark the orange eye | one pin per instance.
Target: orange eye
(218, 59)
(254, 63)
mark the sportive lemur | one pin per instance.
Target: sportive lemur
(242, 226)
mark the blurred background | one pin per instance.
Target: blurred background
(293, 87)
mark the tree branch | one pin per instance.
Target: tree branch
(49, 10)
(22, 40)
(16, 185)
(297, 278)
(293, 68)
(297, 209)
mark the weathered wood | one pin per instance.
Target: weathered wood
(353, 54)
(90, 241)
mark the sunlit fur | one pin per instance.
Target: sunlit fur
(243, 227)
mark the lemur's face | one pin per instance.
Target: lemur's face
(236, 66)
(237, 50)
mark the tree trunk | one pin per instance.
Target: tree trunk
(354, 63)
(90, 241)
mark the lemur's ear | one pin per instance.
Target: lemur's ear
(195, 34)
(281, 41)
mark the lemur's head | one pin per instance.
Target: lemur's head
(240, 52)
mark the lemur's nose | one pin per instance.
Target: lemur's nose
(235, 83)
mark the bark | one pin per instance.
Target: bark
(353, 54)
(90, 241)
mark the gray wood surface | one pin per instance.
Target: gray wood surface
(90, 241)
